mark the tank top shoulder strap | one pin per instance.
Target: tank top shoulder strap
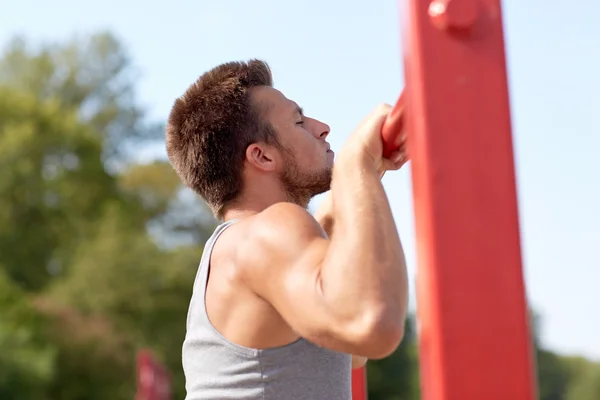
(199, 290)
(208, 248)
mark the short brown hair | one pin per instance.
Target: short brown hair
(211, 126)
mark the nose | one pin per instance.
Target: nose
(321, 129)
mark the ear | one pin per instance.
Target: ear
(261, 157)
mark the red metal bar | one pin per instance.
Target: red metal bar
(359, 384)
(474, 338)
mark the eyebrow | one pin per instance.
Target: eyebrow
(299, 110)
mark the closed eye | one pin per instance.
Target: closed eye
(300, 123)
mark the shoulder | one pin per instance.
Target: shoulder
(279, 236)
(285, 220)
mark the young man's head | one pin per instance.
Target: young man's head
(233, 138)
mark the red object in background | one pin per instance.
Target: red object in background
(474, 340)
(153, 382)
(359, 384)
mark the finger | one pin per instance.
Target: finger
(396, 156)
(380, 116)
(401, 160)
(382, 109)
(396, 161)
(389, 165)
(402, 139)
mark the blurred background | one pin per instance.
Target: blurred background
(99, 242)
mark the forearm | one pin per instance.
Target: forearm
(324, 214)
(365, 270)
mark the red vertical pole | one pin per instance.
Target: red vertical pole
(359, 384)
(474, 336)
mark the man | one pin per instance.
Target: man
(284, 303)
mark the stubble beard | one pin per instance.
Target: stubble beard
(301, 187)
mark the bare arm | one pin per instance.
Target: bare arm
(324, 214)
(324, 217)
(348, 293)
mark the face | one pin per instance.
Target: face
(306, 162)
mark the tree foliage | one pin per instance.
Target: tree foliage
(26, 357)
(100, 248)
(93, 75)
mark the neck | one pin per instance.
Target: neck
(258, 198)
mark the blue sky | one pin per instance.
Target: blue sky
(339, 59)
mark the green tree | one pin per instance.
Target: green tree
(92, 75)
(61, 107)
(174, 215)
(54, 191)
(111, 253)
(26, 357)
(52, 186)
(553, 375)
(94, 360)
(585, 382)
(142, 289)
